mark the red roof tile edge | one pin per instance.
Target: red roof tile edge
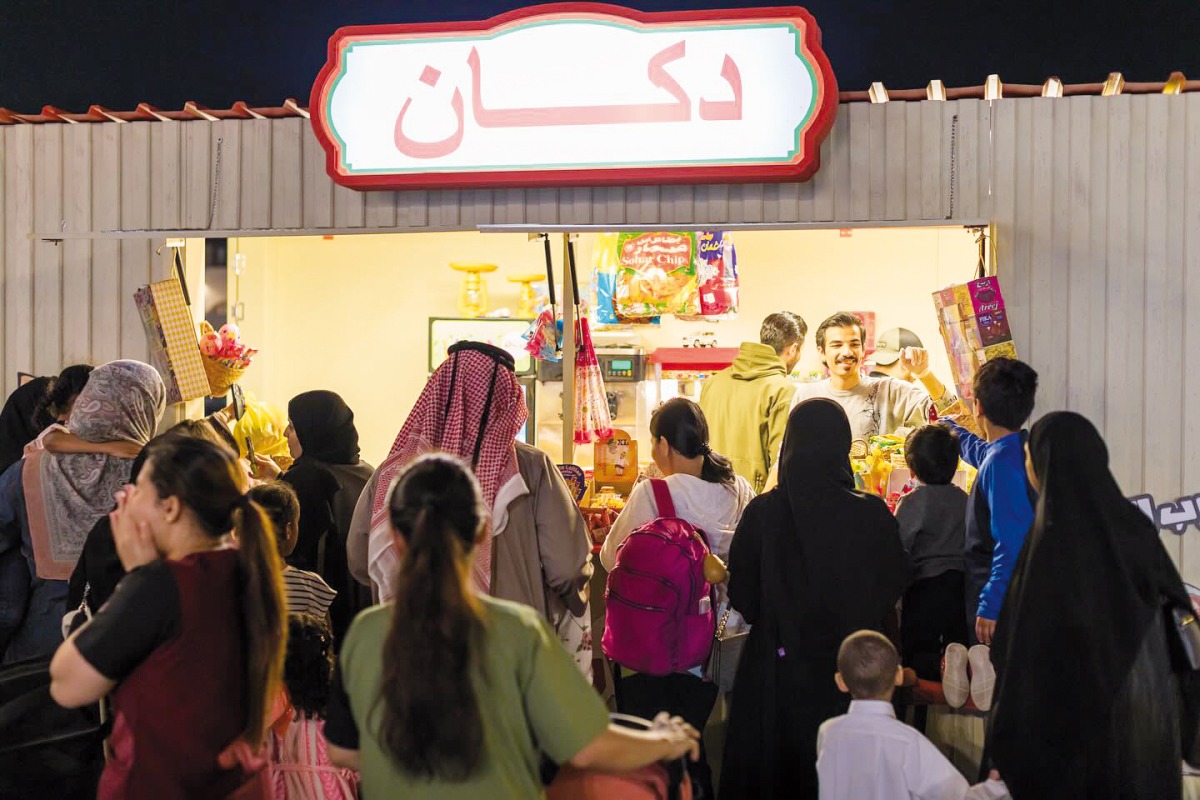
(291, 108)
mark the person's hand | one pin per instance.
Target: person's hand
(985, 629)
(135, 544)
(994, 775)
(678, 737)
(915, 360)
(265, 468)
(122, 449)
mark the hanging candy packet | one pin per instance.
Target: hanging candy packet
(657, 274)
(716, 268)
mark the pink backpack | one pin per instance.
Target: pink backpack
(659, 618)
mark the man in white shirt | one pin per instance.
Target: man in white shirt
(874, 406)
(870, 755)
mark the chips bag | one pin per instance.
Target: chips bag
(606, 264)
(657, 274)
(716, 271)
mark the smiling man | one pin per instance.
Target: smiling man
(875, 405)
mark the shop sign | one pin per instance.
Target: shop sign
(1171, 516)
(576, 94)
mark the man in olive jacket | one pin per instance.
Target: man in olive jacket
(747, 404)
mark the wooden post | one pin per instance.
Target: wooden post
(568, 359)
(192, 251)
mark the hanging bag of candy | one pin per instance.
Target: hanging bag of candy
(543, 339)
(592, 418)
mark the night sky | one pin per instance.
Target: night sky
(72, 53)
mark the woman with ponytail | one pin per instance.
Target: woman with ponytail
(447, 693)
(191, 643)
(708, 494)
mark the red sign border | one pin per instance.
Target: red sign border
(815, 133)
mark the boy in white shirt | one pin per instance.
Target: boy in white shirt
(868, 754)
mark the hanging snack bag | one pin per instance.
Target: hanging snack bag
(657, 274)
(716, 271)
(605, 267)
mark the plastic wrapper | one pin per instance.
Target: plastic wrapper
(657, 275)
(605, 266)
(716, 272)
(543, 337)
(265, 426)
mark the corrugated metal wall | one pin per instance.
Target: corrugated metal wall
(1096, 202)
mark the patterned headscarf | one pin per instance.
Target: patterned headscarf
(66, 494)
(473, 408)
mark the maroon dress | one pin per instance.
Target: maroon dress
(172, 636)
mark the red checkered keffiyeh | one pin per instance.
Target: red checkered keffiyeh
(469, 393)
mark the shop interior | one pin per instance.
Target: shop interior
(360, 314)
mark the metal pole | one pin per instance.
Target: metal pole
(568, 305)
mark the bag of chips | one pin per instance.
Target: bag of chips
(716, 270)
(606, 265)
(657, 274)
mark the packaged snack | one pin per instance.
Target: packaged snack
(716, 270)
(974, 326)
(657, 274)
(606, 265)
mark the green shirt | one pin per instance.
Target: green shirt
(534, 698)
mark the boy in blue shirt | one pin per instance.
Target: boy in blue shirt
(1000, 508)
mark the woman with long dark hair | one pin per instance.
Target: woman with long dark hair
(1090, 702)
(191, 644)
(812, 562)
(708, 494)
(448, 693)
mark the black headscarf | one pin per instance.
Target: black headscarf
(19, 422)
(847, 562)
(1091, 580)
(324, 424)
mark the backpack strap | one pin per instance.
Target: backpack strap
(662, 497)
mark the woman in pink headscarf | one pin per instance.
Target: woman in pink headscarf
(473, 408)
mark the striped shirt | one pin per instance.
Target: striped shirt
(307, 592)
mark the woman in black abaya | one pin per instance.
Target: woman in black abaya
(22, 419)
(812, 561)
(1091, 700)
(328, 477)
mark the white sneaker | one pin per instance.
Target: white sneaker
(983, 676)
(955, 684)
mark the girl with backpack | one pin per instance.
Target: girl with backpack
(710, 496)
(447, 693)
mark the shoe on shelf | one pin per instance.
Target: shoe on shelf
(955, 684)
(983, 676)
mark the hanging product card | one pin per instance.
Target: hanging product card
(657, 274)
(616, 462)
(974, 325)
(716, 272)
